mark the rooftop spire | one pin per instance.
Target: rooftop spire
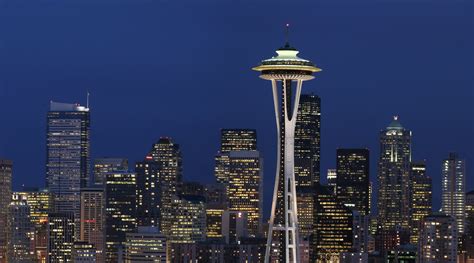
(287, 35)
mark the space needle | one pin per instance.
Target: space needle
(286, 71)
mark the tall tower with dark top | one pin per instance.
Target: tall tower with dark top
(68, 162)
(6, 168)
(120, 216)
(285, 70)
(421, 198)
(352, 180)
(393, 178)
(308, 141)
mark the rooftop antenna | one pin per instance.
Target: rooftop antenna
(87, 106)
(287, 33)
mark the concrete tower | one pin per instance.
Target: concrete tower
(286, 69)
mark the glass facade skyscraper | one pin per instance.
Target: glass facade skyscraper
(167, 156)
(244, 188)
(421, 200)
(6, 168)
(120, 215)
(393, 178)
(352, 179)
(105, 165)
(67, 161)
(453, 187)
(308, 141)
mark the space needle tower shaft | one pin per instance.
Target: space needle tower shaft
(286, 71)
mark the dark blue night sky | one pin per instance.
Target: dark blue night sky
(183, 69)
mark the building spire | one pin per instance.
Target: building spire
(287, 35)
(87, 103)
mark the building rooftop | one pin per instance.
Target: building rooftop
(60, 106)
(395, 124)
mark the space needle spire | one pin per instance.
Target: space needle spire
(286, 71)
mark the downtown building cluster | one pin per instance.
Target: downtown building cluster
(107, 210)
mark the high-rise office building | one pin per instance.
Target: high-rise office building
(352, 180)
(60, 237)
(6, 168)
(360, 232)
(232, 140)
(105, 165)
(331, 179)
(244, 188)
(333, 229)
(453, 190)
(67, 161)
(41, 204)
(20, 231)
(93, 220)
(306, 199)
(120, 211)
(83, 252)
(167, 155)
(393, 179)
(238, 140)
(470, 224)
(146, 244)
(421, 201)
(234, 226)
(438, 239)
(216, 205)
(188, 224)
(307, 160)
(148, 192)
(307, 141)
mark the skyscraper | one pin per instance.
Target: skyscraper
(83, 252)
(307, 141)
(68, 162)
(188, 224)
(146, 244)
(244, 188)
(120, 215)
(40, 203)
(232, 140)
(6, 167)
(105, 165)
(453, 188)
(216, 205)
(421, 205)
(60, 237)
(238, 140)
(331, 179)
(93, 220)
(20, 231)
(352, 180)
(234, 226)
(438, 239)
(470, 224)
(148, 192)
(167, 156)
(333, 228)
(285, 68)
(393, 178)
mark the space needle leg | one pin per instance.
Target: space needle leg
(268, 252)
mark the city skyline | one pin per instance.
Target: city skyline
(129, 164)
(129, 65)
